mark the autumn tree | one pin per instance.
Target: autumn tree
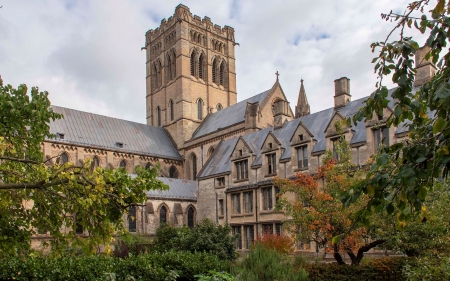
(36, 196)
(317, 214)
(406, 172)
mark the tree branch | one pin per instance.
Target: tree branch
(19, 160)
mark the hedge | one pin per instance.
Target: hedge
(154, 266)
(383, 269)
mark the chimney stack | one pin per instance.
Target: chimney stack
(425, 68)
(341, 92)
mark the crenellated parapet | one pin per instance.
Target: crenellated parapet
(182, 13)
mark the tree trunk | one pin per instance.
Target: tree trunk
(337, 256)
(356, 260)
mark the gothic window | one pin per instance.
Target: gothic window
(132, 219)
(173, 62)
(158, 116)
(267, 228)
(199, 109)
(271, 164)
(267, 198)
(159, 74)
(123, 164)
(222, 73)
(201, 67)
(214, 72)
(95, 162)
(248, 201)
(249, 235)
(381, 137)
(210, 151)
(219, 107)
(236, 230)
(154, 72)
(63, 158)
(171, 109)
(236, 200)
(193, 64)
(169, 68)
(302, 157)
(194, 167)
(163, 215)
(173, 172)
(241, 170)
(191, 220)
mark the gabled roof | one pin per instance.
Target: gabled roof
(83, 128)
(178, 189)
(227, 117)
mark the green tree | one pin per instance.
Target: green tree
(55, 198)
(404, 173)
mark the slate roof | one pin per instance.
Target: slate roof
(316, 123)
(178, 189)
(228, 116)
(83, 128)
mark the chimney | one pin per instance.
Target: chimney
(341, 92)
(425, 68)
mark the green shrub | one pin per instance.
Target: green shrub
(206, 236)
(154, 266)
(265, 264)
(375, 269)
(428, 269)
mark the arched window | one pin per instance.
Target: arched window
(210, 151)
(222, 73)
(194, 167)
(154, 73)
(173, 172)
(214, 68)
(191, 218)
(173, 62)
(200, 109)
(163, 215)
(169, 68)
(95, 162)
(148, 165)
(158, 116)
(132, 219)
(219, 107)
(63, 158)
(171, 109)
(201, 67)
(193, 64)
(123, 164)
(159, 74)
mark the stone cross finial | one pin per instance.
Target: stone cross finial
(277, 74)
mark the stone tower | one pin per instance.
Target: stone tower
(190, 72)
(302, 107)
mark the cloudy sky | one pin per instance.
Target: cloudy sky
(87, 55)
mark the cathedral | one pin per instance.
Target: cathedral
(218, 156)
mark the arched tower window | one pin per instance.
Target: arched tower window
(63, 158)
(194, 167)
(191, 217)
(173, 62)
(163, 215)
(222, 73)
(219, 107)
(158, 116)
(173, 172)
(193, 64)
(132, 219)
(154, 73)
(214, 68)
(95, 162)
(123, 164)
(169, 68)
(159, 74)
(171, 110)
(201, 67)
(200, 109)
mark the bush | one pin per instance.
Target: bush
(281, 243)
(206, 236)
(375, 269)
(427, 268)
(265, 264)
(155, 266)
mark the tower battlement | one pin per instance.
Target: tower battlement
(182, 13)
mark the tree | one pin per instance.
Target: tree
(317, 214)
(404, 173)
(38, 197)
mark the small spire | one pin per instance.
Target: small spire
(277, 74)
(302, 107)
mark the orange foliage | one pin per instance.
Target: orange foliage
(281, 243)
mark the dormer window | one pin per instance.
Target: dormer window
(240, 152)
(302, 157)
(119, 144)
(380, 137)
(300, 137)
(270, 145)
(221, 181)
(60, 136)
(241, 170)
(271, 164)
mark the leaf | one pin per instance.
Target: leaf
(439, 125)
(383, 159)
(439, 9)
(336, 239)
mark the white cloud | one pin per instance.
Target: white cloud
(87, 53)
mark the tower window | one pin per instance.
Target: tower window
(200, 109)
(201, 70)
(221, 73)
(171, 109)
(194, 167)
(214, 67)
(158, 116)
(193, 64)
